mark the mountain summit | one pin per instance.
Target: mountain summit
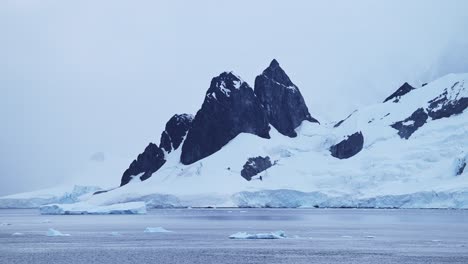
(230, 108)
(283, 102)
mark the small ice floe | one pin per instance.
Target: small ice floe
(17, 234)
(272, 235)
(5, 224)
(242, 211)
(115, 234)
(369, 237)
(436, 240)
(156, 230)
(52, 233)
(46, 221)
(346, 236)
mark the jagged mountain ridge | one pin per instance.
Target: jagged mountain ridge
(364, 155)
(230, 107)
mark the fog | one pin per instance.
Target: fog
(85, 85)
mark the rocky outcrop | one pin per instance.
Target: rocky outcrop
(283, 102)
(230, 108)
(145, 165)
(176, 129)
(408, 126)
(404, 89)
(254, 166)
(348, 147)
(451, 102)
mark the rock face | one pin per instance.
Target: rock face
(408, 126)
(176, 129)
(282, 100)
(348, 147)
(230, 108)
(146, 164)
(450, 102)
(254, 166)
(404, 89)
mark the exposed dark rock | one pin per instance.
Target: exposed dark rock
(176, 129)
(348, 147)
(408, 126)
(99, 192)
(404, 89)
(448, 103)
(230, 108)
(254, 166)
(461, 168)
(424, 84)
(460, 164)
(282, 100)
(147, 163)
(341, 121)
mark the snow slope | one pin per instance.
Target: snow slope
(390, 171)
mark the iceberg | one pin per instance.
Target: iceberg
(85, 208)
(53, 233)
(156, 230)
(271, 235)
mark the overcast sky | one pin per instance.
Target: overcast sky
(85, 85)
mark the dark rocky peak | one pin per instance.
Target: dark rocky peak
(145, 165)
(348, 147)
(283, 102)
(176, 129)
(404, 89)
(230, 108)
(222, 86)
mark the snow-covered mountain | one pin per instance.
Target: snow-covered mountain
(262, 148)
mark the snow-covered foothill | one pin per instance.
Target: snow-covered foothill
(86, 208)
(271, 235)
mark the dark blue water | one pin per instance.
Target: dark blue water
(201, 236)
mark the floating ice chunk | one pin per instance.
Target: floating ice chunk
(436, 240)
(52, 233)
(156, 230)
(17, 234)
(84, 208)
(369, 237)
(5, 224)
(115, 234)
(272, 235)
(46, 221)
(346, 236)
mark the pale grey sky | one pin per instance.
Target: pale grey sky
(87, 79)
